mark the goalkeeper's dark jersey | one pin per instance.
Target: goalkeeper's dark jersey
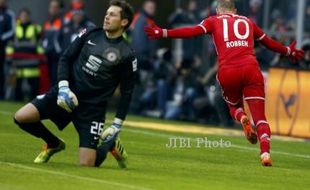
(95, 65)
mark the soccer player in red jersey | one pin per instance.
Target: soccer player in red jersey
(238, 74)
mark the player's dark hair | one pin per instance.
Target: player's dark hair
(226, 4)
(127, 10)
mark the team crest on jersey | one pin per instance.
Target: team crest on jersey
(112, 55)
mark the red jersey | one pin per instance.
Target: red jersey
(233, 37)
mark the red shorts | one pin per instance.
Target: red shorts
(241, 82)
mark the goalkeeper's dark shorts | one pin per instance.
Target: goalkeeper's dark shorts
(88, 120)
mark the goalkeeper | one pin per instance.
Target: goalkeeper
(89, 72)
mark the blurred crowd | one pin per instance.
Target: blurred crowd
(30, 52)
(176, 82)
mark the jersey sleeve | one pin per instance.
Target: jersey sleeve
(268, 42)
(71, 53)
(206, 25)
(259, 34)
(128, 71)
(185, 32)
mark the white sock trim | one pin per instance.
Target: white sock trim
(265, 154)
(237, 112)
(254, 98)
(264, 136)
(261, 122)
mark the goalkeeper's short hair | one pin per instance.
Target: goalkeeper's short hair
(127, 10)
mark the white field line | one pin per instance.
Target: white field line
(133, 124)
(150, 133)
(57, 173)
(6, 113)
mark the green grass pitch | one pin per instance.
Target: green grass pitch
(151, 164)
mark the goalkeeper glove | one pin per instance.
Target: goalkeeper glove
(293, 53)
(66, 99)
(111, 132)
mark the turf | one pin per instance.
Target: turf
(151, 164)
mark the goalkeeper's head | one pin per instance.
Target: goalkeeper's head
(119, 16)
(226, 7)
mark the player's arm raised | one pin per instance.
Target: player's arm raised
(155, 32)
(290, 51)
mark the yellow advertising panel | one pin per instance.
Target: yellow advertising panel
(288, 102)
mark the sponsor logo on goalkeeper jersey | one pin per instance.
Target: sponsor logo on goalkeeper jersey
(92, 65)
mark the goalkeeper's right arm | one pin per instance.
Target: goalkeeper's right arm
(66, 99)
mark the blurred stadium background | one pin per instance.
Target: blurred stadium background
(177, 77)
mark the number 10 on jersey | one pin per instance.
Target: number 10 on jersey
(236, 27)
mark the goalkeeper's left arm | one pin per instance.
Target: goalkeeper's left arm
(127, 81)
(111, 132)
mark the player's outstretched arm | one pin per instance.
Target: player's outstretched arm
(155, 32)
(290, 51)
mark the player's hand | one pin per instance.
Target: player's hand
(295, 54)
(154, 32)
(66, 99)
(110, 133)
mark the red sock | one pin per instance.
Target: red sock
(257, 108)
(239, 113)
(236, 112)
(263, 133)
